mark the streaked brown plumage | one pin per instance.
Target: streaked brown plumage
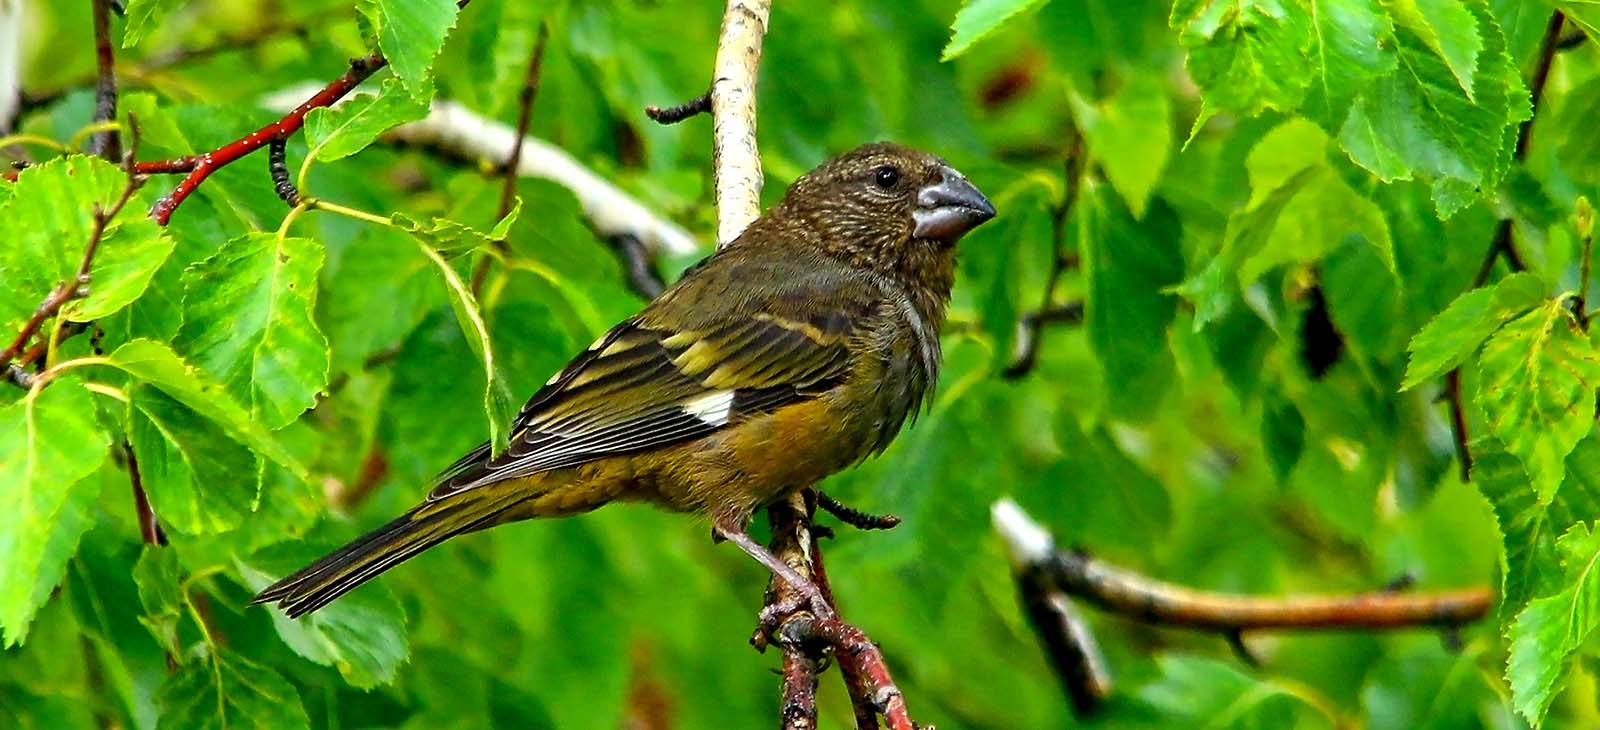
(795, 351)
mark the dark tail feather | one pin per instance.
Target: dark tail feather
(339, 572)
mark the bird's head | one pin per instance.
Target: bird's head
(890, 208)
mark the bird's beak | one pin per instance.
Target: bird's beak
(947, 209)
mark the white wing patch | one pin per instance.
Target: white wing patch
(714, 408)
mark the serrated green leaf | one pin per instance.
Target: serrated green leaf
(1451, 337)
(1450, 29)
(362, 634)
(1352, 47)
(49, 447)
(1129, 266)
(1528, 528)
(156, 364)
(1550, 629)
(48, 219)
(199, 480)
(143, 17)
(1247, 56)
(978, 19)
(1418, 120)
(1537, 381)
(334, 133)
(248, 320)
(226, 691)
(160, 586)
(454, 239)
(410, 34)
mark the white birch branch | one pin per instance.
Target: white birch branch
(610, 210)
(733, 116)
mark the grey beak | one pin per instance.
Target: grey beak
(946, 210)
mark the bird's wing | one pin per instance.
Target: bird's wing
(645, 384)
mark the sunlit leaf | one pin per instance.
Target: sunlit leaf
(50, 445)
(1547, 632)
(248, 321)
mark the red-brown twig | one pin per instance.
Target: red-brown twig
(206, 164)
(149, 527)
(106, 143)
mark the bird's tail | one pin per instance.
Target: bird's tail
(425, 526)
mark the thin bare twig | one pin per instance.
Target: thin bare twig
(1069, 645)
(1030, 328)
(854, 517)
(105, 143)
(674, 114)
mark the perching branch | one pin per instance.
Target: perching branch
(1126, 593)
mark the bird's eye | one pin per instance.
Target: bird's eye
(886, 176)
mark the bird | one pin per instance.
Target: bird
(797, 350)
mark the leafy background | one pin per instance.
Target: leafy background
(1282, 238)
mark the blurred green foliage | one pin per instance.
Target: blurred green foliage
(1277, 238)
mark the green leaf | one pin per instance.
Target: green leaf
(1418, 120)
(160, 585)
(410, 34)
(1430, 688)
(1130, 135)
(1550, 629)
(48, 219)
(1528, 528)
(1450, 338)
(143, 17)
(1212, 290)
(199, 480)
(1247, 56)
(1283, 434)
(226, 691)
(1536, 386)
(381, 270)
(453, 239)
(978, 19)
(1129, 266)
(50, 445)
(1450, 29)
(497, 403)
(362, 634)
(157, 365)
(1353, 46)
(334, 133)
(248, 320)
(1198, 692)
